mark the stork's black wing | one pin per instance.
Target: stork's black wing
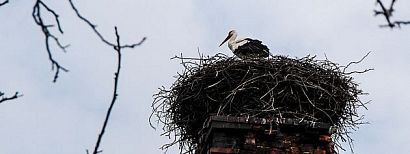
(252, 49)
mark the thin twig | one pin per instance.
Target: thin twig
(94, 27)
(115, 94)
(399, 23)
(4, 3)
(356, 62)
(3, 98)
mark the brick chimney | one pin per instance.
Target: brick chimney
(246, 135)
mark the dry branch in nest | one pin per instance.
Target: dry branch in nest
(301, 88)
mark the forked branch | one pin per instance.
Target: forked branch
(387, 12)
(45, 28)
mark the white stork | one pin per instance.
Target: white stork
(246, 48)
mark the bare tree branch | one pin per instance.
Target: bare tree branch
(117, 48)
(3, 98)
(94, 27)
(356, 62)
(38, 18)
(388, 13)
(4, 3)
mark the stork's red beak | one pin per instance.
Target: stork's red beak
(229, 35)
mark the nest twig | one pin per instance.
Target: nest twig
(303, 88)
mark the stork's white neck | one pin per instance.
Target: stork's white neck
(231, 42)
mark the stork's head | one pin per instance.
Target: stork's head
(231, 35)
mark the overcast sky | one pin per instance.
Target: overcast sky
(65, 117)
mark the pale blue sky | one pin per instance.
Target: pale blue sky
(64, 117)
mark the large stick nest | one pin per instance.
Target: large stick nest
(304, 88)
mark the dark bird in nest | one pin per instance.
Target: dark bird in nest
(246, 48)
